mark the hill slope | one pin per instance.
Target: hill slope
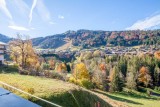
(4, 38)
(89, 38)
(53, 90)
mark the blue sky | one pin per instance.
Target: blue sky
(47, 17)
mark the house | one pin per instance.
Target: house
(2, 52)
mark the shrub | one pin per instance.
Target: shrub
(30, 90)
(55, 75)
(72, 80)
(23, 71)
(156, 88)
(86, 83)
(148, 92)
(46, 66)
(81, 82)
(60, 76)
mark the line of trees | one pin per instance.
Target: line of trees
(113, 73)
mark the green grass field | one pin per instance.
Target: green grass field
(53, 90)
(133, 99)
(59, 92)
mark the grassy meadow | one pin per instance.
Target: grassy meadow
(133, 99)
(53, 90)
(62, 93)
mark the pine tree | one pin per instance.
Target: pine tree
(116, 83)
(122, 64)
(131, 81)
(157, 75)
(131, 77)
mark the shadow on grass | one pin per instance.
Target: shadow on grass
(84, 99)
(138, 96)
(119, 98)
(8, 69)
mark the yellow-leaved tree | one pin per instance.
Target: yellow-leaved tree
(22, 52)
(80, 71)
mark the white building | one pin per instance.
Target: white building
(2, 52)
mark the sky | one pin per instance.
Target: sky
(40, 18)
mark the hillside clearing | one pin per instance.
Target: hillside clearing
(65, 46)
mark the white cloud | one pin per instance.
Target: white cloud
(31, 11)
(20, 28)
(19, 6)
(61, 17)
(43, 11)
(147, 23)
(52, 23)
(4, 9)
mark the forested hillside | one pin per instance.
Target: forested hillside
(89, 38)
(4, 38)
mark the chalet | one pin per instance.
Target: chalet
(2, 52)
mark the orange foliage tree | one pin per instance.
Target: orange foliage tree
(144, 76)
(61, 68)
(102, 67)
(157, 54)
(51, 63)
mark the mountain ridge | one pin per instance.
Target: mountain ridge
(95, 38)
(4, 38)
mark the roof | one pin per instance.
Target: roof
(2, 43)
(9, 99)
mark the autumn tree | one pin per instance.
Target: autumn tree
(61, 67)
(80, 71)
(22, 52)
(102, 67)
(157, 54)
(144, 76)
(51, 63)
(99, 78)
